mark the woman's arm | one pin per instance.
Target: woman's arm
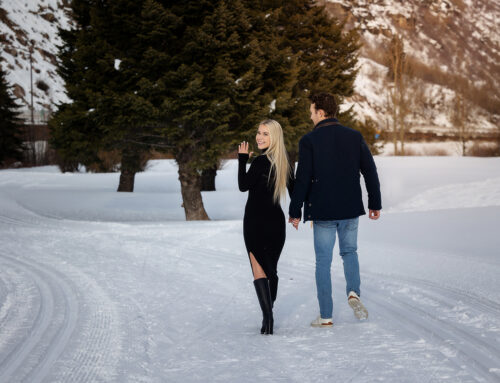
(247, 180)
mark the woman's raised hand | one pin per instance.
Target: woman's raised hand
(243, 148)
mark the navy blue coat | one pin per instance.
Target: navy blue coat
(327, 183)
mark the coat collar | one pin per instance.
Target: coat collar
(326, 121)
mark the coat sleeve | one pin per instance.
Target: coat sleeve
(291, 180)
(302, 178)
(369, 171)
(248, 180)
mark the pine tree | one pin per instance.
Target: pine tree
(75, 134)
(213, 90)
(326, 59)
(269, 95)
(10, 132)
(280, 68)
(101, 65)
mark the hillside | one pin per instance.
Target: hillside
(33, 24)
(452, 44)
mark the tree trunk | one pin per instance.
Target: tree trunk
(191, 193)
(208, 179)
(131, 164)
(402, 128)
(395, 137)
(394, 123)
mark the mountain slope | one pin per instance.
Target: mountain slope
(33, 24)
(452, 44)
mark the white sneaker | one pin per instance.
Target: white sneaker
(322, 322)
(360, 310)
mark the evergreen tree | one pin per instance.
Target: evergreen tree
(326, 59)
(10, 132)
(270, 94)
(101, 65)
(214, 90)
(75, 133)
(280, 68)
(194, 76)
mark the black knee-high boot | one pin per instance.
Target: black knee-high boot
(266, 304)
(273, 286)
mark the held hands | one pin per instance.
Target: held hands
(243, 148)
(295, 222)
(374, 214)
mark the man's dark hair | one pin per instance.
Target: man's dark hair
(325, 101)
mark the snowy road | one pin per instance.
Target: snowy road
(98, 287)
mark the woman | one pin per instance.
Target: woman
(264, 222)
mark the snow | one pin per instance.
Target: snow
(29, 25)
(272, 106)
(445, 148)
(97, 285)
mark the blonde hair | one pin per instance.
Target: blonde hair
(276, 153)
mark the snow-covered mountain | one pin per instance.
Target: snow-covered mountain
(26, 24)
(443, 37)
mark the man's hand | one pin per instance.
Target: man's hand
(295, 222)
(374, 214)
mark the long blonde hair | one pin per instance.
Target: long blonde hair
(276, 153)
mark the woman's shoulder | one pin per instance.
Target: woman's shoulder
(261, 159)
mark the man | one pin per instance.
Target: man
(327, 183)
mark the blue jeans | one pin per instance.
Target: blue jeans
(324, 241)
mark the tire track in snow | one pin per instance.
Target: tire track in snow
(33, 356)
(38, 352)
(11, 211)
(478, 355)
(19, 305)
(51, 348)
(434, 289)
(95, 351)
(437, 299)
(7, 221)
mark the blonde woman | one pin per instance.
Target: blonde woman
(264, 230)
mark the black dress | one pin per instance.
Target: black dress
(264, 226)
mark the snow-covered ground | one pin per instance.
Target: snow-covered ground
(436, 148)
(102, 286)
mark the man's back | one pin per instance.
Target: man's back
(327, 183)
(328, 176)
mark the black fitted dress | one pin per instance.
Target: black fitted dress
(264, 223)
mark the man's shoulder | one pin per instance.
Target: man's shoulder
(305, 138)
(347, 130)
(329, 129)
